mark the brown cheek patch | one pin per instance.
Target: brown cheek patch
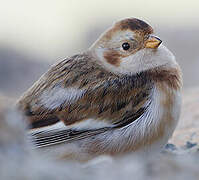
(112, 57)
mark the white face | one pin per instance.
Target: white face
(142, 60)
(146, 59)
(136, 59)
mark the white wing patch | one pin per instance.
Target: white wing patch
(57, 96)
(90, 124)
(58, 126)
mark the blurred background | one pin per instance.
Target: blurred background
(35, 34)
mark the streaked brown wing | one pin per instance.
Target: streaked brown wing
(106, 96)
(72, 72)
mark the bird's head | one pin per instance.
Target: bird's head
(130, 46)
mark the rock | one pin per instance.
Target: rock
(171, 147)
(190, 145)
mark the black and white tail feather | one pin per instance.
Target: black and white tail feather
(61, 135)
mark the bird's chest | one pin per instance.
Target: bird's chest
(160, 120)
(151, 131)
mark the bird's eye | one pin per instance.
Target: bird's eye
(125, 46)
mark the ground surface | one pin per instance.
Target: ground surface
(187, 133)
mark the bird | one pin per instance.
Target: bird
(122, 95)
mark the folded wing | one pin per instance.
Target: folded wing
(78, 89)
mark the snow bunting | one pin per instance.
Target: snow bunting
(122, 95)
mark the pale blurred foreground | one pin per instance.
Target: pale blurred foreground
(19, 161)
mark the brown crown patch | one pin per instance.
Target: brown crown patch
(134, 25)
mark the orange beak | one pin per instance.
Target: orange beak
(152, 42)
